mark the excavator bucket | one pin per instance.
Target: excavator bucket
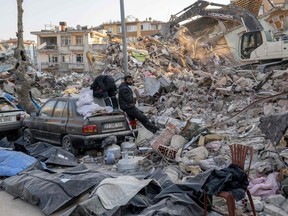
(166, 30)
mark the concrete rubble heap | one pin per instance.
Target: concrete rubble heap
(202, 107)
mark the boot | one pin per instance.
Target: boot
(155, 129)
(151, 127)
(114, 103)
(107, 102)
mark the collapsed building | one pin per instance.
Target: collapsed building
(202, 103)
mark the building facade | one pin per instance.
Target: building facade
(65, 49)
(29, 46)
(135, 28)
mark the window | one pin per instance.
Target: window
(79, 58)
(4, 103)
(145, 26)
(70, 110)
(60, 109)
(154, 27)
(53, 58)
(65, 58)
(46, 110)
(79, 40)
(250, 41)
(261, 10)
(131, 28)
(65, 40)
(119, 29)
(268, 36)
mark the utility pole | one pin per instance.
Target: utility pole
(124, 44)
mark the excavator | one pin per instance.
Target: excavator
(255, 44)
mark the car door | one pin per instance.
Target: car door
(39, 125)
(57, 122)
(75, 120)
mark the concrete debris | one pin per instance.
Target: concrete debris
(274, 127)
(201, 111)
(258, 204)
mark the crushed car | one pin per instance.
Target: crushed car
(11, 119)
(58, 122)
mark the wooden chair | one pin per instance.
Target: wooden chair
(239, 153)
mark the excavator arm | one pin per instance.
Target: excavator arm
(225, 12)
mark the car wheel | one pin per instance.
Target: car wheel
(28, 137)
(67, 144)
(1, 136)
(14, 135)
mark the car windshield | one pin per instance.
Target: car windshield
(5, 105)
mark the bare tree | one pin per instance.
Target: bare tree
(23, 81)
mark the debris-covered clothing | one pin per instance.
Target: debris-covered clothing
(232, 179)
(104, 86)
(265, 186)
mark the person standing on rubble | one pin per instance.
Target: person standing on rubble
(104, 87)
(127, 104)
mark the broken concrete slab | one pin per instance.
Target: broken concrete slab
(274, 127)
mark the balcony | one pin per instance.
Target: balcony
(76, 66)
(76, 47)
(48, 48)
(49, 66)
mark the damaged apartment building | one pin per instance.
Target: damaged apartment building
(219, 33)
(65, 49)
(29, 46)
(201, 112)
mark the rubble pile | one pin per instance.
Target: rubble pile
(202, 107)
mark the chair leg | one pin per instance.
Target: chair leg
(231, 205)
(205, 203)
(230, 202)
(251, 202)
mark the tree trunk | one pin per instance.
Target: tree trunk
(20, 25)
(22, 81)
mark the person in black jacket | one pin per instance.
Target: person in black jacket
(104, 87)
(127, 104)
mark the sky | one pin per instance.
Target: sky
(38, 13)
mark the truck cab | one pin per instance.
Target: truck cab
(261, 46)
